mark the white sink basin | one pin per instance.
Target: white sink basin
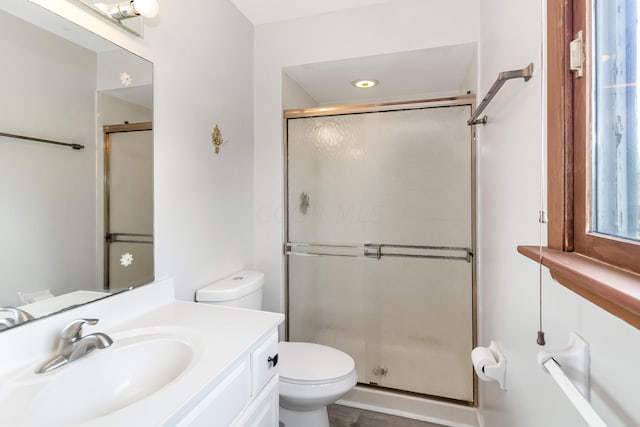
(138, 364)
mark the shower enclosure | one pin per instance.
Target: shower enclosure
(380, 240)
(128, 205)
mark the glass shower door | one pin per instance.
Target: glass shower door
(380, 231)
(128, 206)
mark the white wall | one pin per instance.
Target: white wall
(47, 214)
(401, 25)
(509, 193)
(294, 96)
(203, 201)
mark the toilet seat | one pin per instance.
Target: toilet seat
(312, 376)
(310, 363)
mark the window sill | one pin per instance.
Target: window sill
(613, 289)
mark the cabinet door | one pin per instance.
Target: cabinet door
(263, 411)
(263, 365)
(224, 402)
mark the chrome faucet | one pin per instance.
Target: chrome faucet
(72, 345)
(17, 317)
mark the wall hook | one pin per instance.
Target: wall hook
(216, 138)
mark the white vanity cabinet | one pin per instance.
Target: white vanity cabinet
(246, 394)
(173, 363)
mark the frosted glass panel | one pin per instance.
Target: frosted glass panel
(425, 323)
(327, 304)
(130, 264)
(327, 159)
(402, 178)
(131, 182)
(130, 208)
(409, 317)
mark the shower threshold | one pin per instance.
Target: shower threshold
(411, 405)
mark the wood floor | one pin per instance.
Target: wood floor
(343, 416)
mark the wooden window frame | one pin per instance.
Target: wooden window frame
(605, 271)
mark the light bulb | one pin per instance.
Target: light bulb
(146, 8)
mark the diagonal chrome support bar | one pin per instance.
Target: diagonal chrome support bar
(526, 74)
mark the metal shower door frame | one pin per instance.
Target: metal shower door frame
(455, 101)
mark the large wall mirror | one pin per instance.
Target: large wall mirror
(76, 144)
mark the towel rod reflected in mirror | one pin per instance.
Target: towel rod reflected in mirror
(46, 141)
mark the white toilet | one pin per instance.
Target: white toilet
(312, 376)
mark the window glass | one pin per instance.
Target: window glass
(616, 178)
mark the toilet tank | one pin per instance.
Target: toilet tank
(242, 289)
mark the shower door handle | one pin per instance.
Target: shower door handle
(380, 250)
(372, 250)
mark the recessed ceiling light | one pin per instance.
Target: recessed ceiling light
(364, 84)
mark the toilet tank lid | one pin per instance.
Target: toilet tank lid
(233, 287)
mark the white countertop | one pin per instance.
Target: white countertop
(54, 304)
(222, 336)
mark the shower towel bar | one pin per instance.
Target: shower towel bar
(526, 74)
(46, 141)
(377, 251)
(582, 405)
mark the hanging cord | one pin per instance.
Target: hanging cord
(543, 213)
(543, 220)
(540, 339)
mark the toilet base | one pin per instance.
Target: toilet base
(313, 418)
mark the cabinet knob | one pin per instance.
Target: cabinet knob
(273, 360)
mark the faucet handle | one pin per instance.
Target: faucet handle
(73, 330)
(18, 316)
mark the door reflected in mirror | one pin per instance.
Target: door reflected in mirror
(128, 205)
(64, 90)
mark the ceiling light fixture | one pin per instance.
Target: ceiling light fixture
(364, 84)
(130, 9)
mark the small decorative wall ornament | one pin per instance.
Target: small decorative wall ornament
(304, 203)
(125, 79)
(216, 138)
(126, 260)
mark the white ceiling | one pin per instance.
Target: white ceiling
(405, 75)
(441, 71)
(138, 95)
(264, 11)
